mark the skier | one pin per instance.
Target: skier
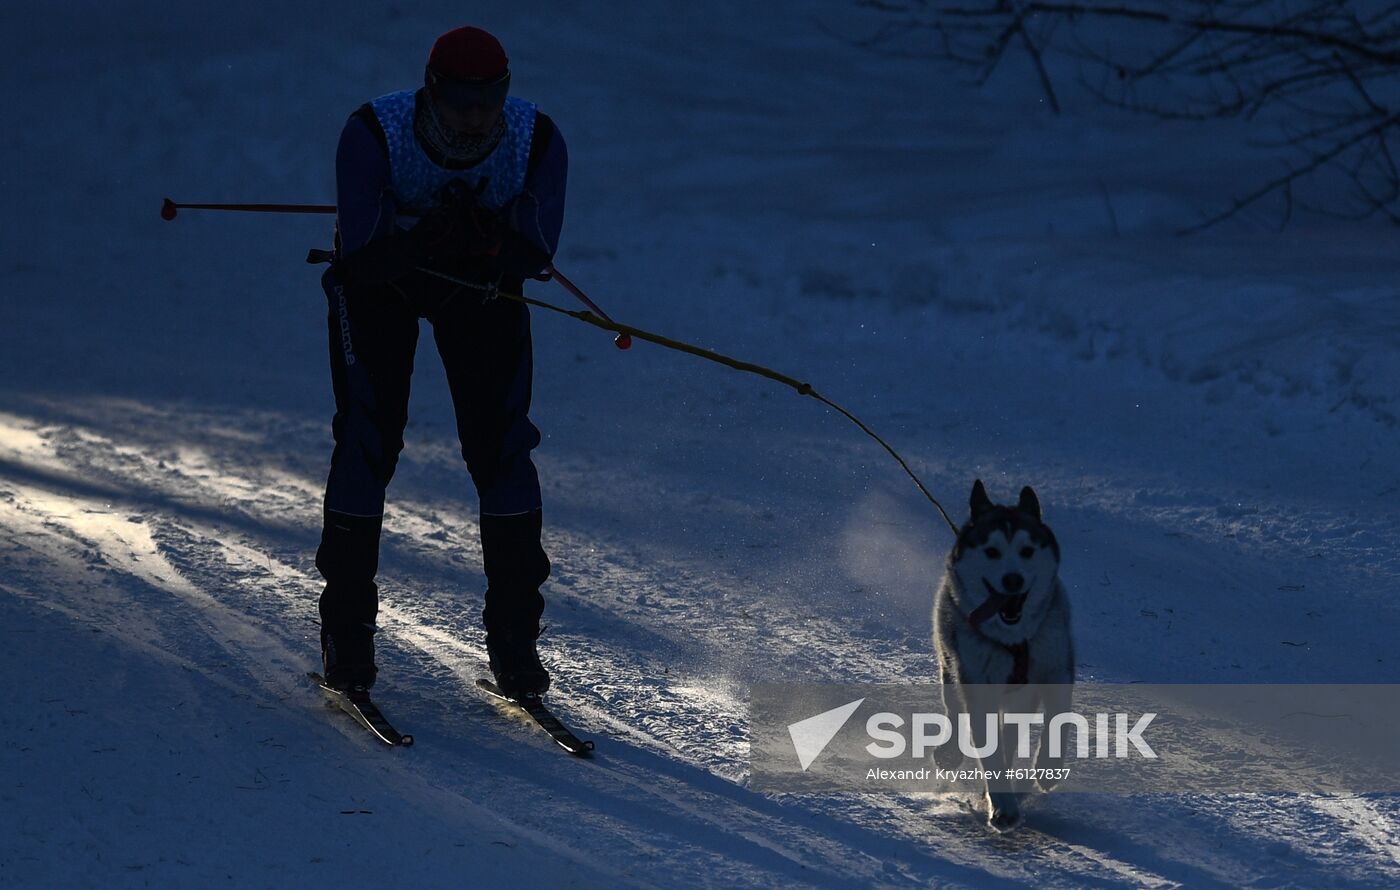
(461, 178)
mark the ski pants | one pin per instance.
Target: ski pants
(486, 350)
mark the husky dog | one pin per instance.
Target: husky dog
(1001, 631)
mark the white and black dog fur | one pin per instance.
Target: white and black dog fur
(1001, 632)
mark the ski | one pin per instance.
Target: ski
(356, 703)
(542, 717)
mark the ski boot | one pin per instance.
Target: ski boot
(347, 654)
(516, 566)
(515, 663)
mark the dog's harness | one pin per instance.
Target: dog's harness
(1020, 652)
(1021, 663)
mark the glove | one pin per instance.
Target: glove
(461, 237)
(460, 224)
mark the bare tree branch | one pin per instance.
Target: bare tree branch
(1332, 64)
(1286, 181)
(1034, 53)
(1388, 56)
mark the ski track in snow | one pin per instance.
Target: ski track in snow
(168, 576)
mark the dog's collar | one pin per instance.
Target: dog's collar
(1020, 652)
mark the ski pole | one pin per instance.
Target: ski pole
(601, 320)
(170, 208)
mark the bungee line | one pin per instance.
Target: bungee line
(802, 388)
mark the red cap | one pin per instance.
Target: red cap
(469, 54)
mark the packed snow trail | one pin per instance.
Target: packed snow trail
(214, 598)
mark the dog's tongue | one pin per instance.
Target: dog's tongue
(989, 607)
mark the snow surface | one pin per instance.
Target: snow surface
(1210, 422)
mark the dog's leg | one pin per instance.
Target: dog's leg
(949, 755)
(1055, 700)
(1003, 804)
(1003, 808)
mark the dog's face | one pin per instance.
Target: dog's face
(1006, 559)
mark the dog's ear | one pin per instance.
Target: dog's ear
(979, 502)
(1029, 503)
